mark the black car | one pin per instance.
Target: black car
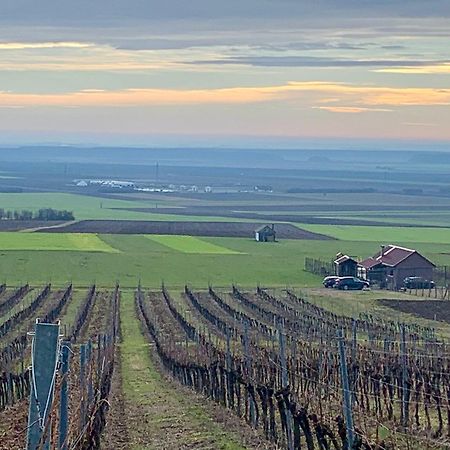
(328, 282)
(417, 283)
(347, 283)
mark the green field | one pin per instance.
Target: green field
(50, 242)
(191, 244)
(136, 257)
(176, 260)
(385, 235)
(86, 207)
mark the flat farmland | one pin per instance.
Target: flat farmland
(190, 228)
(50, 242)
(383, 235)
(130, 258)
(88, 207)
(190, 244)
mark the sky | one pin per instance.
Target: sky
(235, 72)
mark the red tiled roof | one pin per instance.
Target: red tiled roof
(369, 263)
(392, 256)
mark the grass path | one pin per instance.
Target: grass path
(160, 413)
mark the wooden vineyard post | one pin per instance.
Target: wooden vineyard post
(44, 353)
(64, 398)
(347, 406)
(285, 384)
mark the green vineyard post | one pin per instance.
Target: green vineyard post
(347, 407)
(285, 384)
(44, 353)
(64, 399)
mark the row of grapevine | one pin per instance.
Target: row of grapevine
(284, 375)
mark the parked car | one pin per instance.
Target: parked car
(328, 282)
(417, 283)
(347, 283)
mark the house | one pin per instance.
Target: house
(392, 264)
(345, 266)
(265, 233)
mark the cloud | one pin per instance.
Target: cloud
(420, 124)
(380, 95)
(350, 109)
(343, 96)
(135, 11)
(312, 61)
(41, 45)
(425, 69)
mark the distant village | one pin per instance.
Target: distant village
(130, 186)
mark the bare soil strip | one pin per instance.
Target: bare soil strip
(18, 225)
(213, 229)
(428, 309)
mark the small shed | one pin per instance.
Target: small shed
(265, 233)
(346, 266)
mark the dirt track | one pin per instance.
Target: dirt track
(225, 229)
(17, 225)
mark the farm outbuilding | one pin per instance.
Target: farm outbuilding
(392, 264)
(265, 233)
(345, 266)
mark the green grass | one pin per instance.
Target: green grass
(87, 207)
(191, 244)
(158, 404)
(139, 258)
(52, 242)
(386, 235)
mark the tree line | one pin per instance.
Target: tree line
(42, 214)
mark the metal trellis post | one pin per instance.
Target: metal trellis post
(248, 365)
(45, 349)
(347, 407)
(83, 386)
(64, 401)
(405, 409)
(285, 384)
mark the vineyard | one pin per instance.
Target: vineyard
(299, 375)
